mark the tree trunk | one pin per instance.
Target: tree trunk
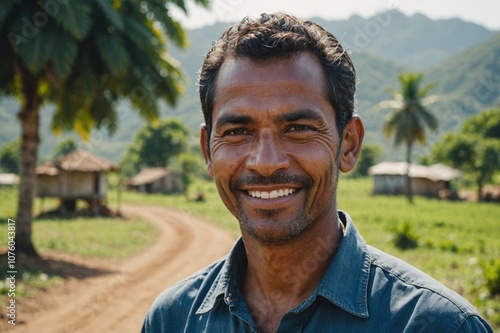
(409, 191)
(29, 118)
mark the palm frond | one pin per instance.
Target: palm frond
(172, 28)
(390, 104)
(431, 100)
(138, 33)
(75, 17)
(63, 55)
(111, 13)
(103, 113)
(34, 49)
(113, 52)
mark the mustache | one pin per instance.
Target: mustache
(280, 178)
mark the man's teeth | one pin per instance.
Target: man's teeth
(272, 194)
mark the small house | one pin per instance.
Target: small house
(390, 178)
(77, 175)
(156, 180)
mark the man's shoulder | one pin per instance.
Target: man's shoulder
(179, 302)
(412, 291)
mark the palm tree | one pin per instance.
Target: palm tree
(82, 56)
(410, 117)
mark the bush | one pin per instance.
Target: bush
(491, 271)
(405, 237)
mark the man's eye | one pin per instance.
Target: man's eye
(299, 128)
(236, 131)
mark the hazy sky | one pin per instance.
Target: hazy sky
(484, 12)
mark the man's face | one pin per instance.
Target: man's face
(274, 146)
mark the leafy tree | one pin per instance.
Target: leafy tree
(9, 156)
(370, 155)
(190, 165)
(82, 56)
(410, 117)
(156, 145)
(475, 149)
(65, 147)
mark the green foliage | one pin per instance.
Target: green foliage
(405, 237)
(155, 146)
(10, 156)
(85, 55)
(65, 147)
(190, 166)
(475, 149)
(491, 271)
(370, 155)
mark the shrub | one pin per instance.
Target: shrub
(491, 271)
(405, 237)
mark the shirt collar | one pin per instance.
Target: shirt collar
(345, 283)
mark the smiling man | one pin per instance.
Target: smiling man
(277, 95)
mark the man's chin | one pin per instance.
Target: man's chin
(273, 231)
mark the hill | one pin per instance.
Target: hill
(398, 46)
(414, 41)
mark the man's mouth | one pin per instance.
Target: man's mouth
(272, 194)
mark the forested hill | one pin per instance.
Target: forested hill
(461, 57)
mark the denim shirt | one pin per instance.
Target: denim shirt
(363, 290)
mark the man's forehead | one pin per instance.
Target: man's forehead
(246, 71)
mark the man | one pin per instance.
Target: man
(277, 95)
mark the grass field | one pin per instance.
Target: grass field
(453, 237)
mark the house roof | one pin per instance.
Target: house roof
(78, 160)
(9, 179)
(147, 176)
(435, 172)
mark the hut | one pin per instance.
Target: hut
(390, 178)
(77, 175)
(156, 180)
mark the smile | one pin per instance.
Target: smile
(272, 194)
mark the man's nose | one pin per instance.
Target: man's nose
(267, 155)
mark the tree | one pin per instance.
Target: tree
(410, 117)
(82, 56)
(65, 147)
(9, 156)
(370, 154)
(475, 149)
(155, 145)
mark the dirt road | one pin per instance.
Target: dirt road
(117, 299)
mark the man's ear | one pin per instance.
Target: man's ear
(353, 135)
(204, 143)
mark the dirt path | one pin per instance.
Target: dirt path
(118, 300)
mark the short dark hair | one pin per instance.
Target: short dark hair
(281, 35)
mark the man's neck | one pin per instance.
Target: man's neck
(280, 276)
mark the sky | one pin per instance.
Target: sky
(484, 12)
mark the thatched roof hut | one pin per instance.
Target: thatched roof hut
(389, 178)
(77, 175)
(156, 180)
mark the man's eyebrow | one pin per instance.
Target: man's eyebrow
(233, 119)
(299, 115)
